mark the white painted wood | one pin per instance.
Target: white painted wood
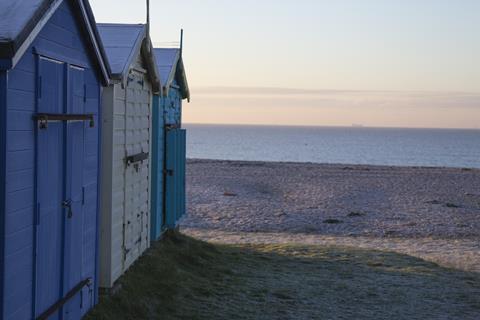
(125, 204)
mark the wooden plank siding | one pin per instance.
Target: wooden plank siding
(175, 157)
(62, 36)
(173, 106)
(3, 133)
(157, 172)
(125, 212)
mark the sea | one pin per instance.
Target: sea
(338, 145)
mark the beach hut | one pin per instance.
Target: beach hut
(126, 136)
(52, 70)
(169, 142)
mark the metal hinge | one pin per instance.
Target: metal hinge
(44, 118)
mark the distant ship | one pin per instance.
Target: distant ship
(357, 125)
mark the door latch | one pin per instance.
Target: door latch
(67, 204)
(168, 172)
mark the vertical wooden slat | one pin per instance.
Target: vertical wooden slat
(50, 190)
(74, 225)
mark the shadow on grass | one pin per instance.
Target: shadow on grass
(182, 278)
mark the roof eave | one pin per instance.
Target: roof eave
(141, 47)
(182, 76)
(151, 65)
(9, 47)
(171, 75)
(7, 50)
(16, 48)
(136, 50)
(12, 51)
(90, 23)
(5, 64)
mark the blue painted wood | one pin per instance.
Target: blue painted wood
(175, 181)
(172, 107)
(50, 172)
(158, 164)
(175, 155)
(3, 129)
(170, 66)
(41, 168)
(74, 225)
(182, 171)
(178, 174)
(170, 185)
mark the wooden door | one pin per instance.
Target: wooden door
(62, 289)
(175, 175)
(75, 254)
(50, 189)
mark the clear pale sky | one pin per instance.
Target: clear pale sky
(403, 63)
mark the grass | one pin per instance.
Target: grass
(182, 278)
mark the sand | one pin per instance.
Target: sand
(430, 213)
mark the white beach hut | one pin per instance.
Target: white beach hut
(126, 136)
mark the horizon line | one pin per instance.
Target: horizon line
(353, 126)
(287, 90)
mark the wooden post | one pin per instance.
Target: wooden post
(181, 42)
(148, 17)
(149, 47)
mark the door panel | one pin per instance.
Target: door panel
(60, 162)
(175, 178)
(74, 222)
(171, 139)
(182, 171)
(50, 193)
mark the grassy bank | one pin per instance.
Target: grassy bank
(181, 278)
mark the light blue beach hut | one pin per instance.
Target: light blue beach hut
(52, 70)
(169, 143)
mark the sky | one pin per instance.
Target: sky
(381, 63)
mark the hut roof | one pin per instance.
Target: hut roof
(123, 43)
(170, 65)
(22, 20)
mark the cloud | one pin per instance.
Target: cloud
(249, 96)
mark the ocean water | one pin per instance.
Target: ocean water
(342, 145)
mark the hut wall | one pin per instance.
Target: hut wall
(125, 188)
(175, 141)
(173, 106)
(45, 253)
(158, 166)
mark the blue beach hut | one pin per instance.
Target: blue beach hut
(52, 70)
(169, 142)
